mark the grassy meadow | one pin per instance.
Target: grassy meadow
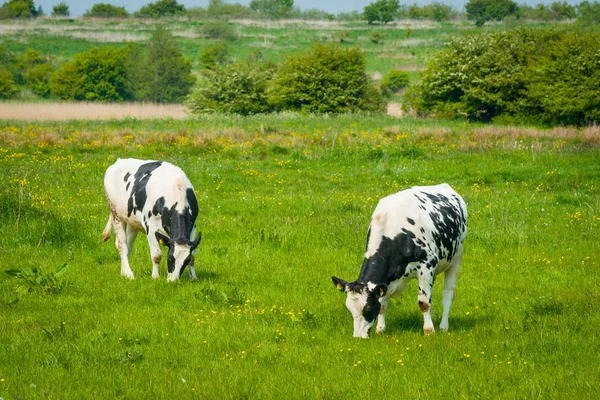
(285, 204)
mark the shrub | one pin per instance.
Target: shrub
(214, 55)
(161, 8)
(394, 81)
(564, 87)
(326, 79)
(382, 11)
(376, 37)
(236, 89)
(104, 10)
(539, 76)
(489, 10)
(219, 30)
(36, 71)
(61, 10)
(94, 75)
(7, 84)
(18, 9)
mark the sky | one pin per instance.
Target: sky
(79, 7)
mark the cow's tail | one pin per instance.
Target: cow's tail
(106, 232)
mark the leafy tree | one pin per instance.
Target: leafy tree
(273, 8)
(326, 79)
(236, 89)
(588, 13)
(95, 75)
(489, 10)
(104, 10)
(7, 84)
(161, 8)
(159, 73)
(376, 37)
(18, 9)
(382, 11)
(61, 10)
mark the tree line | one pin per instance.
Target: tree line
(380, 11)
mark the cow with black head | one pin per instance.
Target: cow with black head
(417, 233)
(158, 199)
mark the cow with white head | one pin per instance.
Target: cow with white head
(417, 233)
(158, 199)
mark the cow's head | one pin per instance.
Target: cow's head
(180, 253)
(363, 302)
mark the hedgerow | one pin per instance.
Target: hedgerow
(544, 76)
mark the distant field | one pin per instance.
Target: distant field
(58, 111)
(285, 203)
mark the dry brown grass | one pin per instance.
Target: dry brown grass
(68, 111)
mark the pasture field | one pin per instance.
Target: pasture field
(285, 204)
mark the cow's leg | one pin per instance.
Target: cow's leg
(381, 317)
(121, 243)
(155, 253)
(450, 278)
(425, 280)
(131, 235)
(192, 272)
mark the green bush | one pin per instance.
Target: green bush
(7, 84)
(61, 10)
(394, 81)
(161, 8)
(214, 55)
(489, 10)
(326, 79)
(36, 71)
(382, 11)
(564, 86)
(220, 30)
(18, 9)
(543, 76)
(236, 89)
(104, 10)
(94, 75)
(376, 37)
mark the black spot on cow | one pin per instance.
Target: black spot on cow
(391, 258)
(138, 196)
(192, 201)
(158, 207)
(410, 221)
(127, 175)
(127, 186)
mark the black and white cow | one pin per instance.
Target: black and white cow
(152, 197)
(416, 233)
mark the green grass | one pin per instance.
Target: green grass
(285, 203)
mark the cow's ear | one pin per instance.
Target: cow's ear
(162, 239)
(196, 241)
(340, 284)
(380, 290)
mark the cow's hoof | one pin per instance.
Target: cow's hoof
(428, 331)
(129, 275)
